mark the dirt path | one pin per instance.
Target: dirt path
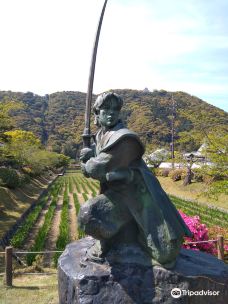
(34, 231)
(80, 198)
(72, 219)
(53, 232)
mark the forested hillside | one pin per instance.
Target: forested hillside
(58, 119)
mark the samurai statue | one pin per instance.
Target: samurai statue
(132, 209)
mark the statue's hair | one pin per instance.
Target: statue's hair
(105, 98)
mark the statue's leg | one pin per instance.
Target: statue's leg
(102, 218)
(168, 254)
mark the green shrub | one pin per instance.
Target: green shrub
(217, 188)
(164, 172)
(27, 170)
(177, 174)
(25, 179)
(155, 171)
(208, 179)
(198, 175)
(9, 178)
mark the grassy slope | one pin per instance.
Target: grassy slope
(29, 289)
(191, 192)
(14, 202)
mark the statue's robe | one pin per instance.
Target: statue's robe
(137, 195)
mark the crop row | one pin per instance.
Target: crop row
(85, 185)
(76, 203)
(77, 184)
(209, 216)
(213, 212)
(21, 234)
(96, 184)
(91, 187)
(198, 207)
(68, 183)
(44, 229)
(63, 238)
(56, 187)
(42, 233)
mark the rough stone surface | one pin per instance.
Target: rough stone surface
(86, 282)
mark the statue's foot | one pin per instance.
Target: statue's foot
(101, 252)
(98, 251)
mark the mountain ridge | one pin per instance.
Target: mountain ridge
(58, 118)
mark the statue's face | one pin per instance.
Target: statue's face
(109, 114)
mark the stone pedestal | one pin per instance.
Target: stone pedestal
(87, 282)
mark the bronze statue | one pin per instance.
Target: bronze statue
(132, 209)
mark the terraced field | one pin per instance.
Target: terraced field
(53, 223)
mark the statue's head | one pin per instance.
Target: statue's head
(107, 109)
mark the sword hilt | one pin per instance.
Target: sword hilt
(86, 136)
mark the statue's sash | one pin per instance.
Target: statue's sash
(111, 138)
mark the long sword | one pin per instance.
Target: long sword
(87, 133)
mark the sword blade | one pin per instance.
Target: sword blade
(87, 133)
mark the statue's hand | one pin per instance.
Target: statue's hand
(86, 154)
(124, 175)
(83, 168)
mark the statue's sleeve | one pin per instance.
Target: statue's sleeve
(119, 156)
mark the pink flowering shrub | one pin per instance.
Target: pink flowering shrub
(200, 233)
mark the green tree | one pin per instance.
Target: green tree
(211, 128)
(6, 121)
(216, 151)
(20, 145)
(27, 150)
(203, 123)
(41, 160)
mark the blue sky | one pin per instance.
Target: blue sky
(159, 44)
